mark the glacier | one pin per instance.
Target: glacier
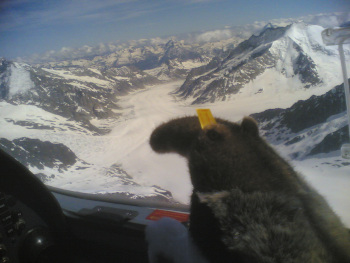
(104, 112)
(127, 147)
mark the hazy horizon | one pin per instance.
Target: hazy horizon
(36, 26)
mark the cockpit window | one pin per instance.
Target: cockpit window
(84, 83)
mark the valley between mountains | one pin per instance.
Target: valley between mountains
(83, 124)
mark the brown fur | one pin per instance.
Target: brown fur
(248, 204)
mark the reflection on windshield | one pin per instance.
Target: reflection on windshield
(83, 123)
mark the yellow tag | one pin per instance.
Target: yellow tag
(205, 117)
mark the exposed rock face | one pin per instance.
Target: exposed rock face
(74, 92)
(39, 154)
(309, 127)
(4, 75)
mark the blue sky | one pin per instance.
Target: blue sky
(36, 26)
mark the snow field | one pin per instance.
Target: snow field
(170, 171)
(330, 180)
(68, 75)
(19, 80)
(127, 145)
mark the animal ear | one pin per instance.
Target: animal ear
(250, 126)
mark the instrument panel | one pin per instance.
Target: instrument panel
(20, 226)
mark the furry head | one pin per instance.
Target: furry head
(221, 156)
(248, 204)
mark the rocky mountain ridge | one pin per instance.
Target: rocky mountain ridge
(294, 55)
(309, 127)
(79, 94)
(164, 61)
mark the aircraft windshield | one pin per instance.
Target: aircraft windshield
(84, 83)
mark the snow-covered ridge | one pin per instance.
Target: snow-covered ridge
(308, 39)
(279, 59)
(66, 74)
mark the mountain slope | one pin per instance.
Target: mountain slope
(48, 114)
(309, 127)
(53, 148)
(77, 93)
(278, 59)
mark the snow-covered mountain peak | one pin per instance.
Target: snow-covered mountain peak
(299, 40)
(268, 35)
(170, 44)
(302, 33)
(266, 27)
(278, 59)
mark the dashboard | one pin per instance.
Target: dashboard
(40, 224)
(96, 232)
(23, 234)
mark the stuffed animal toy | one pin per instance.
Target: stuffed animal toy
(248, 204)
